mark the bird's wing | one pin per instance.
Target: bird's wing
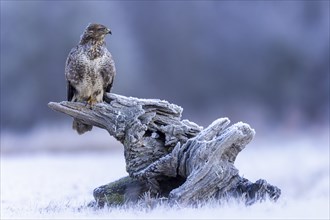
(70, 91)
(72, 73)
(108, 73)
(108, 88)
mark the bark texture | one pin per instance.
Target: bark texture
(170, 157)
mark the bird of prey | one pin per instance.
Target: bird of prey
(89, 70)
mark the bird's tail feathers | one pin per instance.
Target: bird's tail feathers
(81, 127)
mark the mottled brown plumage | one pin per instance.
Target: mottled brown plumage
(89, 70)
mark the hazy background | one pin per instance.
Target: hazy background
(262, 62)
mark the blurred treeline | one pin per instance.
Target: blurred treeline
(263, 62)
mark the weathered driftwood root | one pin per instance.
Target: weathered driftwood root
(170, 157)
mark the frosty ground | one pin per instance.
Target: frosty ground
(59, 185)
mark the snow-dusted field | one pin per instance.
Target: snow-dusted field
(45, 185)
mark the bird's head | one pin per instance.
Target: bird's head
(95, 32)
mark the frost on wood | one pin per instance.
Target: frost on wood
(169, 157)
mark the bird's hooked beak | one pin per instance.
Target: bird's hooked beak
(109, 31)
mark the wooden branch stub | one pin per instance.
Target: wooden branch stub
(148, 128)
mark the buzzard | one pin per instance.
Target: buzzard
(89, 70)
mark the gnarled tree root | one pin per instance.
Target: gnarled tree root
(169, 157)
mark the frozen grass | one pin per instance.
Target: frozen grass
(59, 186)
